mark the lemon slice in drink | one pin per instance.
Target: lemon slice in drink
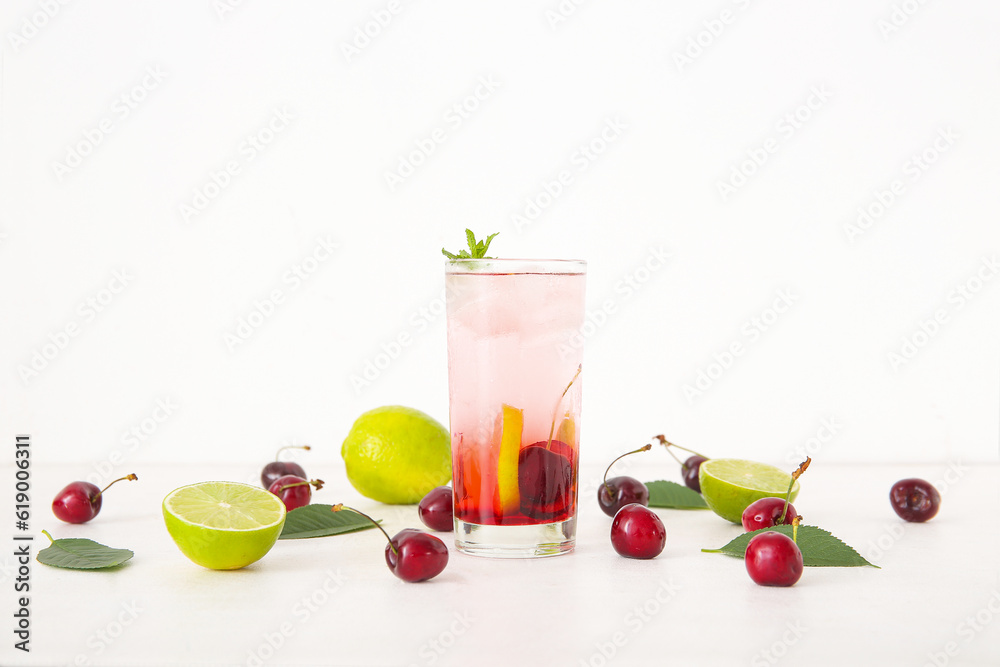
(729, 485)
(223, 525)
(510, 428)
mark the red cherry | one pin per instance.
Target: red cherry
(294, 491)
(689, 471)
(773, 559)
(691, 466)
(80, 502)
(411, 555)
(436, 509)
(275, 469)
(617, 492)
(545, 479)
(764, 513)
(637, 532)
(415, 556)
(915, 499)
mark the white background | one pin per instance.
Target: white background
(150, 385)
(881, 95)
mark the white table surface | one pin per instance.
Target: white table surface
(332, 601)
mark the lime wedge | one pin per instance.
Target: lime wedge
(510, 447)
(223, 525)
(729, 485)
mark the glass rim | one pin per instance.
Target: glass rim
(516, 265)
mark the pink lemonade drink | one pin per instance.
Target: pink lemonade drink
(514, 375)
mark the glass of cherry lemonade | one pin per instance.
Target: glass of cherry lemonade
(514, 364)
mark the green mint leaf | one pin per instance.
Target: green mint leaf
(319, 520)
(81, 554)
(486, 245)
(674, 496)
(819, 548)
(477, 249)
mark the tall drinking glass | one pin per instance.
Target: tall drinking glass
(514, 364)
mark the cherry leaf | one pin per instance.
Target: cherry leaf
(81, 554)
(819, 547)
(319, 520)
(674, 496)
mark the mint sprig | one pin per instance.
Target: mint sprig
(477, 249)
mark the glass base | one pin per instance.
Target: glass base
(538, 541)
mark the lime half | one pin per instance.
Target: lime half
(223, 525)
(729, 485)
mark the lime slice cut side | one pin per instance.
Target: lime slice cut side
(729, 485)
(223, 525)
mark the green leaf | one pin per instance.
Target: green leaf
(819, 548)
(320, 520)
(477, 249)
(81, 554)
(673, 495)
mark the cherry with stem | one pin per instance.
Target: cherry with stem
(294, 491)
(617, 492)
(80, 502)
(689, 467)
(276, 468)
(772, 511)
(410, 554)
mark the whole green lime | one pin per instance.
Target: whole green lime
(395, 455)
